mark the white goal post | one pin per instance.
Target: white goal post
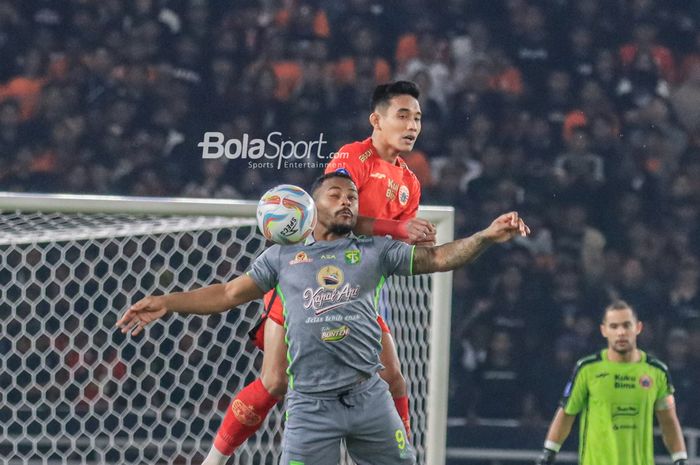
(74, 390)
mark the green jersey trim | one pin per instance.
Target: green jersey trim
(377, 290)
(286, 337)
(410, 268)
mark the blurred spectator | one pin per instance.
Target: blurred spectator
(552, 371)
(499, 381)
(644, 45)
(578, 172)
(686, 102)
(684, 294)
(684, 373)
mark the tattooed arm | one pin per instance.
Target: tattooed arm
(454, 254)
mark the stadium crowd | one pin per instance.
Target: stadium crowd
(582, 115)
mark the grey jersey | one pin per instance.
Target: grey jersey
(329, 290)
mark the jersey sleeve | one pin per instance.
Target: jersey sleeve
(576, 392)
(265, 269)
(411, 209)
(395, 257)
(663, 381)
(349, 160)
(273, 307)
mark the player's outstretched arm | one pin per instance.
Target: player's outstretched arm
(216, 298)
(452, 255)
(671, 432)
(414, 231)
(558, 432)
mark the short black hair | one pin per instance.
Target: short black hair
(383, 93)
(619, 305)
(341, 173)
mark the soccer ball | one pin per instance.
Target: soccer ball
(286, 214)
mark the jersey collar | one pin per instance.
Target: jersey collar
(312, 240)
(642, 356)
(399, 161)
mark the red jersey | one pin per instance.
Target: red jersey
(386, 191)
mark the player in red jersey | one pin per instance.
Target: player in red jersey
(389, 194)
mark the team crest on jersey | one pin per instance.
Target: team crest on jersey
(365, 155)
(352, 257)
(645, 381)
(330, 277)
(403, 195)
(301, 257)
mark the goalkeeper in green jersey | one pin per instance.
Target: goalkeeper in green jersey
(617, 392)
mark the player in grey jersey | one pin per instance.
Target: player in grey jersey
(329, 287)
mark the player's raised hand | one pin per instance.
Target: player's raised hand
(141, 314)
(505, 227)
(420, 232)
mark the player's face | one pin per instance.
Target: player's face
(336, 205)
(399, 123)
(621, 329)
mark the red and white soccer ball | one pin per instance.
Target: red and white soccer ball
(286, 214)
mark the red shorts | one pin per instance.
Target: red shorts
(272, 309)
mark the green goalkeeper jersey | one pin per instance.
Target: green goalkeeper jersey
(616, 403)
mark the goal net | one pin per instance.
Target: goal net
(73, 389)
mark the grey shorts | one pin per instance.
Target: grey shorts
(364, 416)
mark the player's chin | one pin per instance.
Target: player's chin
(622, 346)
(405, 145)
(343, 226)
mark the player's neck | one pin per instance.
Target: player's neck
(632, 356)
(323, 234)
(384, 150)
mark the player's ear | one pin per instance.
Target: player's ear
(374, 120)
(640, 327)
(603, 331)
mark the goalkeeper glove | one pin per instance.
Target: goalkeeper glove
(547, 458)
(680, 458)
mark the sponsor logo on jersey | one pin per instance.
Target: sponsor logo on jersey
(365, 155)
(625, 382)
(378, 175)
(328, 257)
(323, 300)
(300, 257)
(403, 195)
(352, 257)
(330, 277)
(334, 334)
(392, 189)
(625, 410)
(645, 381)
(245, 413)
(602, 375)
